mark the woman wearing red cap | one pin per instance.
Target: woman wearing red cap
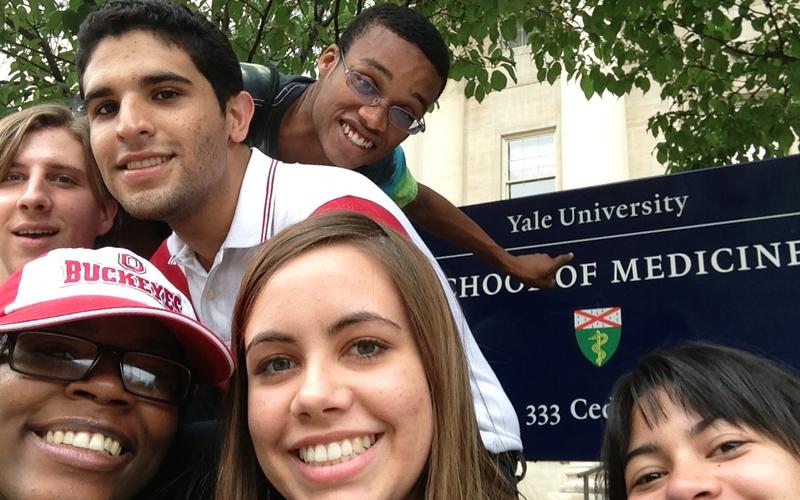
(98, 351)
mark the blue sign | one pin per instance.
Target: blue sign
(711, 254)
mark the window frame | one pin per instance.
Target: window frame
(506, 158)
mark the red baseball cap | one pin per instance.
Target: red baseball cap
(73, 284)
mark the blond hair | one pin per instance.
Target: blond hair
(16, 126)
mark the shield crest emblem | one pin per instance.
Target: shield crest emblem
(598, 332)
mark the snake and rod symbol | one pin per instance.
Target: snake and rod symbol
(600, 339)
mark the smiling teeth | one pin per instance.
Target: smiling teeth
(336, 452)
(355, 137)
(150, 162)
(34, 233)
(89, 440)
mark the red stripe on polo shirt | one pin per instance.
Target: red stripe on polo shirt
(363, 206)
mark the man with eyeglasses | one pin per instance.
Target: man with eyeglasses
(167, 115)
(98, 352)
(374, 89)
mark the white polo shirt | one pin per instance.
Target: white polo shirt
(275, 195)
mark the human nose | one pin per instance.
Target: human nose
(322, 391)
(133, 120)
(36, 195)
(103, 385)
(690, 481)
(375, 118)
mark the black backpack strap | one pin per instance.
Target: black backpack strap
(261, 82)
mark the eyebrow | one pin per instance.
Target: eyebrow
(646, 449)
(57, 165)
(383, 69)
(269, 336)
(380, 67)
(360, 317)
(276, 336)
(650, 448)
(145, 81)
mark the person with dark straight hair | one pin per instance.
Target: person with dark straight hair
(703, 421)
(174, 24)
(169, 150)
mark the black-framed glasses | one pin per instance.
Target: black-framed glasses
(365, 89)
(66, 358)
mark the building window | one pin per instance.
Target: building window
(530, 165)
(521, 40)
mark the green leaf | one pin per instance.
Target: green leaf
(282, 14)
(510, 70)
(71, 21)
(736, 30)
(509, 29)
(479, 31)
(236, 10)
(553, 73)
(587, 86)
(718, 18)
(758, 23)
(785, 138)
(661, 156)
(480, 93)
(498, 80)
(643, 83)
(456, 70)
(471, 69)
(793, 74)
(692, 51)
(469, 88)
(569, 66)
(660, 67)
(720, 63)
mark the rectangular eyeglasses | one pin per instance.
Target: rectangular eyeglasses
(66, 358)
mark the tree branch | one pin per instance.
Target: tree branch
(260, 33)
(46, 51)
(16, 56)
(335, 16)
(29, 62)
(313, 33)
(732, 49)
(771, 15)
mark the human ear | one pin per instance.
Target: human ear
(239, 111)
(328, 60)
(107, 215)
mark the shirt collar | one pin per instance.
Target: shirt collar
(245, 230)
